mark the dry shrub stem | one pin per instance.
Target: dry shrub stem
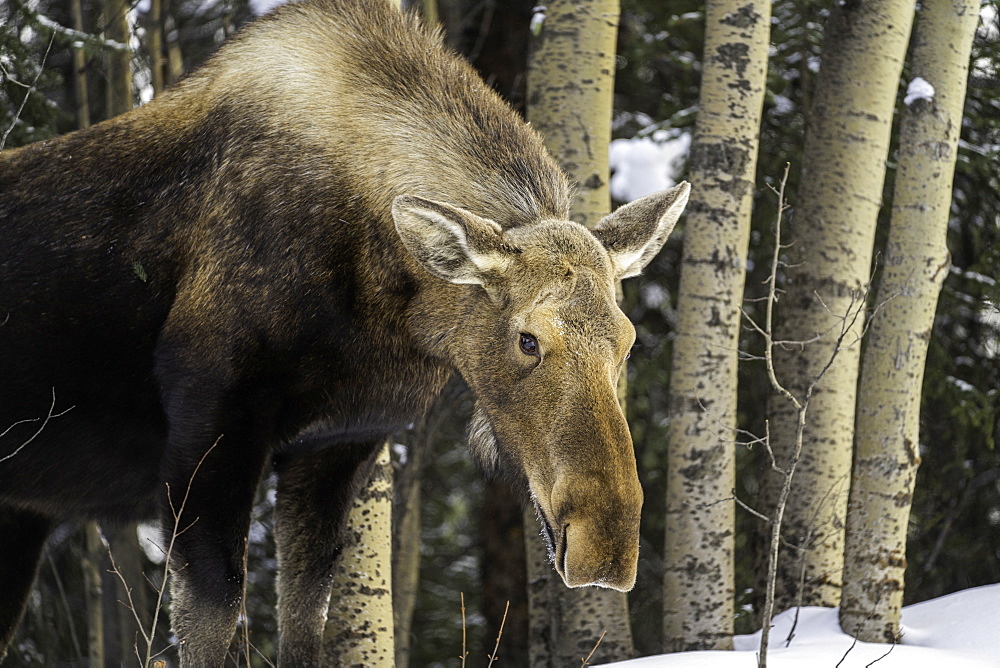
(846, 324)
(45, 421)
(493, 656)
(149, 636)
(597, 644)
(31, 89)
(465, 652)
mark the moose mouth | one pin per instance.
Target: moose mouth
(555, 547)
(591, 560)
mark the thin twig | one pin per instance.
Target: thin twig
(465, 653)
(130, 605)
(24, 101)
(771, 284)
(45, 421)
(586, 661)
(800, 407)
(750, 510)
(167, 568)
(493, 656)
(887, 653)
(243, 602)
(65, 602)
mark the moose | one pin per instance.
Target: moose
(275, 265)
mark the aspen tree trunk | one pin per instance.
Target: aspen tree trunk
(406, 523)
(93, 555)
(543, 606)
(570, 89)
(505, 581)
(360, 626)
(701, 465)
(175, 61)
(94, 549)
(121, 632)
(406, 575)
(830, 262)
(79, 71)
(119, 90)
(155, 30)
(887, 441)
(570, 94)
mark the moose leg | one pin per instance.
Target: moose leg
(212, 473)
(24, 537)
(314, 495)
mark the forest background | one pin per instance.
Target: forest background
(471, 532)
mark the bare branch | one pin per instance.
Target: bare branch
(750, 510)
(24, 101)
(465, 652)
(167, 566)
(45, 421)
(586, 661)
(493, 656)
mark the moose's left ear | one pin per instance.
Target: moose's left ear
(634, 233)
(450, 242)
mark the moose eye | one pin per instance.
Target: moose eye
(529, 345)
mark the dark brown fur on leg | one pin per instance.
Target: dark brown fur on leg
(315, 493)
(18, 567)
(214, 463)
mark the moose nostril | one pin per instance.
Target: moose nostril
(561, 548)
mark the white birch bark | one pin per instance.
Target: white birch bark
(887, 441)
(360, 627)
(827, 276)
(700, 521)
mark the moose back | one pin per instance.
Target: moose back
(279, 262)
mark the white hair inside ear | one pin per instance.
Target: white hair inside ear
(636, 232)
(449, 242)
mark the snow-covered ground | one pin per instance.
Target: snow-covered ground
(961, 630)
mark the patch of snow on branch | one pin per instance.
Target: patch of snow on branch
(919, 89)
(645, 165)
(537, 20)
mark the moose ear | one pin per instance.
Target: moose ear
(635, 232)
(451, 243)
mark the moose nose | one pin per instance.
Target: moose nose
(592, 555)
(597, 531)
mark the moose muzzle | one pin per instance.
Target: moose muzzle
(596, 532)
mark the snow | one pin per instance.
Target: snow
(645, 165)
(261, 7)
(955, 631)
(961, 384)
(537, 20)
(919, 89)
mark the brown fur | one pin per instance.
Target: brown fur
(288, 255)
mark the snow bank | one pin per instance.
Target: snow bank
(955, 631)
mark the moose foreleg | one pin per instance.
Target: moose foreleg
(24, 535)
(314, 495)
(207, 510)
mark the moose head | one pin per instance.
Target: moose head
(540, 340)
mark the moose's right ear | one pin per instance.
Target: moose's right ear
(450, 242)
(635, 232)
